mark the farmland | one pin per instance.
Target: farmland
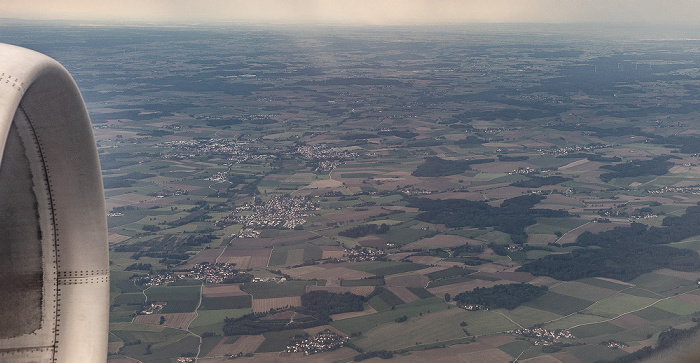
(404, 167)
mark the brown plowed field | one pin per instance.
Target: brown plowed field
(264, 305)
(408, 281)
(177, 321)
(206, 255)
(629, 321)
(245, 344)
(403, 294)
(332, 251)
(247, 258)
(223, 290)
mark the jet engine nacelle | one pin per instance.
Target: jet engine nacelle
(54, 266)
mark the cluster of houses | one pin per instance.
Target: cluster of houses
(521, 170)
(364, 254)
(234, 150)
(158, 279)
(185, 359)
(612, 344)
(152, 308)
(321, 342)
(168, 193)
(212, 273)
(269, 279)
(278, 212)
(473, 307)
(544, 337)
(323, 152)
(573, 149)
(684, 190)
(247, 233)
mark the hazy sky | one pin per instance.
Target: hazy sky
(359, 11)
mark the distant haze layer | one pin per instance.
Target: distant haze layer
(361, 12)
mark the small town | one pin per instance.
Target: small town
(322, 342)
(277, 212)
(212, 273)
(364, 254)
(545, 337)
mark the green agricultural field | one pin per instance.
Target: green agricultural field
(552, 225)
(412, 309)
(295, 256)
(278, 257)
(617, 305)
(402, 236)
(515, 348)
(385, 300)
(363, 282)
(226, 302)
(529, 316)
(558, 304)
(427, 329)
(387, 268)
(592, 330)
(181, 299)
(213, 320)
(574, 320)
(420, 292)
(161, 352)
(119, 282)
(451, 280)
(276, 341)
(664, 284)
(677, 307)
(129, 299)
(581, 291)
(267, 290)
(495, 237)
(606, 284)
(482, 322)
(450, 272)
(653, 313)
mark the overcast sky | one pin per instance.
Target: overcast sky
(376, 12)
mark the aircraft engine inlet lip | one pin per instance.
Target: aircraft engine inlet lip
(45, 131)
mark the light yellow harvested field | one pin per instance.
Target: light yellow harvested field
(116, 238)
(454, 289)
(353, 314)
(177, 321)
(264, 305)
(333, 275)
(245, 344)
(692, 276)
(223, 290)
(332, 252)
